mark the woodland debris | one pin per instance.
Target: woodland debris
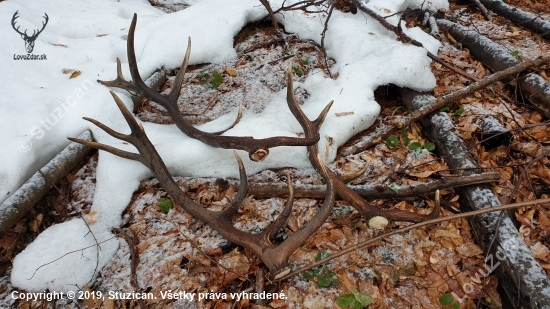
(520, 274)
(534, 88)
(482, 9)
(494, 134)
(24, 199)
(519, 17)
(437, 103)
(376, 191)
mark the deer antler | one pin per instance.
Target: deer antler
(274, 257)
(363, 207)
(257, 149)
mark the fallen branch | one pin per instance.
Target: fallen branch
(445, 100)
(529, 282)
(373, 192)
(533, 87)
(521, 18)
(409, 228)
(24, 199)
(129, 237)
(483, 10)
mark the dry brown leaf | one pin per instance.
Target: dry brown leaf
(422, 174)
(469, 249)
(75, 74)
(231, 72)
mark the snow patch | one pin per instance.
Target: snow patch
(366, 54)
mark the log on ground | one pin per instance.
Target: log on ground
(521, 276)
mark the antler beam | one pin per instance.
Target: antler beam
(257, 149)
(274, 257)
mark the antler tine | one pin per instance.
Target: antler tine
(138, 83)
(130, 119)
(365, 209)
(278, 223)
(175, 92)
(230, 211)
(307, 125)
(43, 25)
(119, 81)
(113, 150)
(239, 116)
(15, 16)
(107, 130)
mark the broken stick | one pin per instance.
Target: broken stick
(372, 192)
(447, 99)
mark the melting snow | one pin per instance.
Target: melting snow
(42, 106)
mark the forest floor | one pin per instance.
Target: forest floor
(412, 270)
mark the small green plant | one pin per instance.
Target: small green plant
(405, 136)
(445, 109)
(213, 81)
(165, 205)
(392, 141)
(297, 70)
(416, 146)
(448, 300)
(305, 60)
(516, 54)
(394, 188)
(429, 146)
(324, 276)
(354, 300)
(203, 75)
(459, 112)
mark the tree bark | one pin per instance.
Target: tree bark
(519, 17)
(533, 87)
(521, 276)
(24, 199)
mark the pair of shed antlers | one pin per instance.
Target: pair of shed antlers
(274, 256)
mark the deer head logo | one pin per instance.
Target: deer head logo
(29, 40)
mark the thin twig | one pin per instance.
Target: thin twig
(98, 247)
(483, 10)
(68, 253)
(408, 228)
(325, 28)
(446, 99)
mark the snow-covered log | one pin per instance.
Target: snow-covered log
(519, 17)
(493, 133)
(521, 276)
(533, 87)
(24, 199)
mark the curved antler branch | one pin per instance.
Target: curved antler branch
(274, 256)
(257, 149)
